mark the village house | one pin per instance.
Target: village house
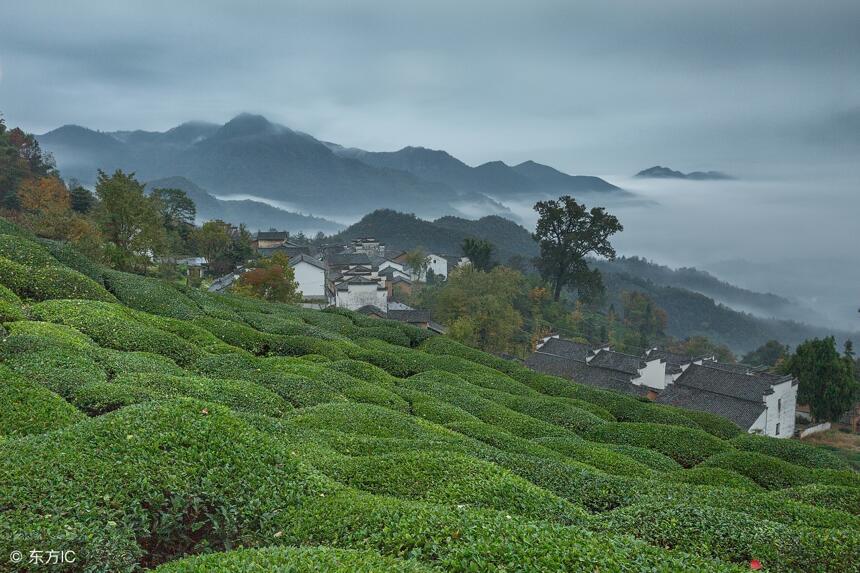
(310, 274)
(757, 401)
(267, 243)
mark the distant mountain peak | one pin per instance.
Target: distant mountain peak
(248, 124)
(660, 172)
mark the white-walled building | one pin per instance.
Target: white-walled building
(360, 291)
(310, 274)
(758, 402)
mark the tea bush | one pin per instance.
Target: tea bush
(716, 477)
(687, 446)
(597, 456)
(836, 497)
(293, 560)
(793, 451)
(774, 473)
(29, 408)
(25, 252)
(150, 295)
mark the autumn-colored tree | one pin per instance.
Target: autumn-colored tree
(701, 346)
(44, 194)
(274, 280)
(644, 318)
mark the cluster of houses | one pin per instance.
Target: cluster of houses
(756, 400)
(364, 275)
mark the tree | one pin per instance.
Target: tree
(417, 261)
(224, 246)
(274, 280)
(826, 379)
(479, 252)
(701, 346)
(645, 319)
(177, 208)
(478, 307)
(768, 354)
(81, 200)
(128, 220)
(567, 232)
(44, 194)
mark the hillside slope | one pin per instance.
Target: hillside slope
(153, 422)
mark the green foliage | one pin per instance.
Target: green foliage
(651, 458)
(293, 560)
(826, 379)
(768, 354)
(597, 456)
(793, 451)
(25, 252)
(112, 327)
(479, 253)
(30, 408)
(150, 295)
(147, 484)
(843, 498)
(452, 479)
(713, 424)
(49, 282)
(72, 258)
(716, 477)
(687, 446)
(736, 537)
(774, 473)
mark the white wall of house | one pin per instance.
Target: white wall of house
(311, 279)
(777, 420)
(438, 264)
(361, 295)
(653, 375)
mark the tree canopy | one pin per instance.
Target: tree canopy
(567, 232)
(272, 280)
(479, 252)
(826, 378)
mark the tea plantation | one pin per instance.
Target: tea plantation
(144, 425)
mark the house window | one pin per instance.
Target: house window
(779, 407)
(777, 429)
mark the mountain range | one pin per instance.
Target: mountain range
(255, 214)
(659, 172)
(254, 158)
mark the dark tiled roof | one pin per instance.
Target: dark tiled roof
(673, 360)
(272, 235)
(583, 373)
(288, 249)
(305, 258)
(414, 315)
(370, 309)
(617, 361)
(567, 348)
(742, 412)
(348, 259)
(725, 382)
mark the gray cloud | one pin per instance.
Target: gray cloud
(599, 87)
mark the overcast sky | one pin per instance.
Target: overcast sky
(747, 86)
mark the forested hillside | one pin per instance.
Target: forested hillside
(147, 425)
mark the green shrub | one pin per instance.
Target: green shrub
(238, 335)
(150, 295)
(455, 391)
(597, 456)
(715, 477)
(836, 497)
(239, 395)
(116, 362)
(459, 540)
(767, 471)
(125, 489)
(11, 311)
(58, 282)
(687, 446)
(452, 479)
(61, 370)
(790, 450)
(736, 537)
(25, 252)
(651, 458)
(559, 411)
(715, 425)
(299, 391)
(7, 227)
(194, 334)
(385, 333)
(74, 259)
(15, 277)
(293, 560)
(6, 295)
(111, 326)
(304, 345)
(99, 398)
(31, 335)
(29, 408)
(364, 371)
